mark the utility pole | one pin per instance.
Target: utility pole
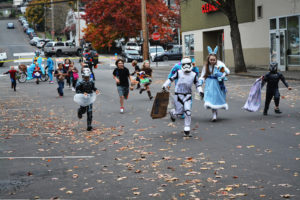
(45, 10)
(78, 18)
(145, 31)
(52, 20)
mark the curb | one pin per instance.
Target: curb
(257, 76)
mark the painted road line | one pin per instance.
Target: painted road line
(46, 157)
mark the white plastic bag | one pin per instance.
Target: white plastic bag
(85, 100)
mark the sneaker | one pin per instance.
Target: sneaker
(142, 90)
(151, 97)
(90, 128)
(187, 132)
(277, 111)
(79, 114)
(73, 89)
(172, 117)
(214, 119)
(121, 109)
(265, 113)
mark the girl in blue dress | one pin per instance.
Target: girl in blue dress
(213, 75)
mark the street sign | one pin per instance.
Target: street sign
(155, 36)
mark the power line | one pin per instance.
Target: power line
(37, 4)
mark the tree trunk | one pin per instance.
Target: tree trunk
(236, 41)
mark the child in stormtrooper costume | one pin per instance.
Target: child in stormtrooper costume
(183, 92)
(87, 87)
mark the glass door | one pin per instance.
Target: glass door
(282, 50)
(273, 48)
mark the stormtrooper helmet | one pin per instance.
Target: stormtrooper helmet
(86, 72)
(273, 67)
(187, 65)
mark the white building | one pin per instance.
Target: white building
(17, 2)
(75, 26)
(269, 29)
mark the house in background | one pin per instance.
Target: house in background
(269, 32)
(74, 26)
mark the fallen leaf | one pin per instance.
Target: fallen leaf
(286, 196)
(75, 176)
(136, 193)
(69, 192)
(121, 178)
(181, 194)
(87, 189)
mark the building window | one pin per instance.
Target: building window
(272, 24)
(293, 47)
(189, 45)
(282, 23)
(259, 12)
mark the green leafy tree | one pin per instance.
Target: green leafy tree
(35, 13)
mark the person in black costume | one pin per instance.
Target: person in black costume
(272, 79)
(86, 86)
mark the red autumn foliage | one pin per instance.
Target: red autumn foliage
(108, 20)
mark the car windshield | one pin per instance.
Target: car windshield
(159, 50)
(49, 44)
(132, 52)
(131, 44)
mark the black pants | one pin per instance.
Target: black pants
(68, 80)
(269, 95)
(74, 82)
(89, 110)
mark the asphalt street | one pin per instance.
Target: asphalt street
(45, 151)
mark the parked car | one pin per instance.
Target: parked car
(24, 21)
(25, 27)
(21, 18)
(10, 25)
(32, 35)
(3, 56)
(131, 46)
(34, 41)
(173, 54)
(155, 50)
(41, 43)
(129, 55)
(60, 48)
(29, 30)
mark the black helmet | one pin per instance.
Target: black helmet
(273, 67)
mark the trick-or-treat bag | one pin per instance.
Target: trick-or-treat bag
(254, 99)
(160, 105)
(85, 100)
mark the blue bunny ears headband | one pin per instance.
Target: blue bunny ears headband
(210, 51)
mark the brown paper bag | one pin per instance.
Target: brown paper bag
(160, 105)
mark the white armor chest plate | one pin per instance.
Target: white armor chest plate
(185, 82)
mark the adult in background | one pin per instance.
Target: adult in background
(122, 77)
(50, 66)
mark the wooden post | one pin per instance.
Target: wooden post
(145, 31)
